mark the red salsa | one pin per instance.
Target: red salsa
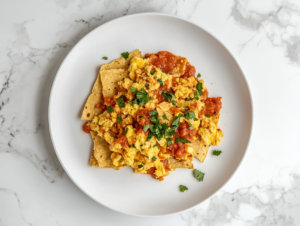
(86, 127)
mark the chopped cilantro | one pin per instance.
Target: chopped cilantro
(133, 102)
(154, 116)
(121, 102)
(119, 119)
(199, 75)
(110, 109)
(217, 152)
(191, 127)
(141, 116)
(147, 86)
(199, 88)
(168, 96)
(169, 132)
(183, 188)
(134, 90)
(169, 141)
(140, 166)
(125, 55)
(176, 121)
(174, 103)
(160, 82)
(146, 127)
(153, 72)
(190, 115)
(154, 159)
(149, 136)
(165, 117)
(207, 116)
(104, 58)
(143, 97)
(197, 95)
(126, 131)
(132, 146)
(164, 72)
(199, 175)
(182, 140)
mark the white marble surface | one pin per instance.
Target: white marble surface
(37, 35)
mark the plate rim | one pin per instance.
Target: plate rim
(168, 16)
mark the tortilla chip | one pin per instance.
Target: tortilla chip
(180, 68)
(110, 79)
(89, 110)
(200, 150)
(121, 63)
(93, 160)
(176, 163)
(101, 152)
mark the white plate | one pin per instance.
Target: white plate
(122, 190)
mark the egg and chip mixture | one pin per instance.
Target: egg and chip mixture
(150, 113)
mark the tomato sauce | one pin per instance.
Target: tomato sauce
(123, 141)
(185, 131)
(178, 150)
(158, 92)
(213, 105)
(145, 120)
(190, 71)
(109, 101)
(86, 127)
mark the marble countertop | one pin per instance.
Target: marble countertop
(36, 36)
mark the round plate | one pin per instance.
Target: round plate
(123, 190)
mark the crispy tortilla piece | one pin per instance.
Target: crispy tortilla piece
(180, 67)
(89, 110)
(101, 153)
(121, 63)
(200, 150)
(175, 163)
(110, 79)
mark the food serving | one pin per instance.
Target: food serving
(151, 113)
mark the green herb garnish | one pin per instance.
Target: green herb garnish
(119, 120)
(125, 55)
(104, 58)
(143, 97)
(153, 72)
(217, 152)
(169, 132)
(191, 127)
(160, 82)
(134, 90)
(176, 121)
(182, 140)
(207, 116)
(199, 175)
(110, 109)
(126, 131)
(133, 102)
(169, 141)
(190, 115)
(154, 159)
(199, 75)
(150, 135)
(164, 72)
(168, 96)
(147, 86)
(183, 188)
(140, 166)
(132, 146)
(165, 117)
(146, 127)
(120, 102)
(155, 146)
(174, 103)
(199, 88)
